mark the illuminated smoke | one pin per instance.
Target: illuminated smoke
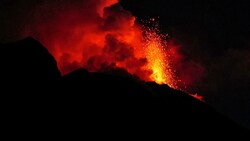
(100, 35)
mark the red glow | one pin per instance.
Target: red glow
(197, 96)
(99, 35)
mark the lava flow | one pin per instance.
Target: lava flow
(100, 35)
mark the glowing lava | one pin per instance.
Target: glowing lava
(100, 35)
(197, 96)
(156, 62)
(157, 59)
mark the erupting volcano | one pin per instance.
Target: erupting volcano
(101, 35)
(124, 62)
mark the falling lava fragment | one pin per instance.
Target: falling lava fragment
(101, 35)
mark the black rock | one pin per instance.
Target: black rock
(27, 61)
(28, 74)
(85, 104)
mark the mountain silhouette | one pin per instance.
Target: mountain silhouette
(37, 100)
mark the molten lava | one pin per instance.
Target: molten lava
(197, 96)
(157, 59)
(100, 35)
(156, 62)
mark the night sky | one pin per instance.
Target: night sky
(213, 33)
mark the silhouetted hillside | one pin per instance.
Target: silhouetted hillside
(38, 101)
(27, 61)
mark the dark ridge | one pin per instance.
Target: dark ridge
(85, 104)
(28, 73)
(27, 61)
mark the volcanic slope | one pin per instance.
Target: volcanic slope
(37, 100)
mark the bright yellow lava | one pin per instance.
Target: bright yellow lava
(156, 62)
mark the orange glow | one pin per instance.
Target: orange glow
(157, 59)
(156, 62)
(197, 96)
(105, 3)
(100, 35)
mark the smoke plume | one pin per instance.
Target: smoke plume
(100, 35)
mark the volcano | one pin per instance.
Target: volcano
(37, 100)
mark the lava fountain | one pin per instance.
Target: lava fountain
(100, 35)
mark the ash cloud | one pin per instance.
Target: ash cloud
(82, 33)
(214, 34)
(20, 16)
(89, 34)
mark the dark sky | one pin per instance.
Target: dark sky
(213, 33)
(216, 34)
